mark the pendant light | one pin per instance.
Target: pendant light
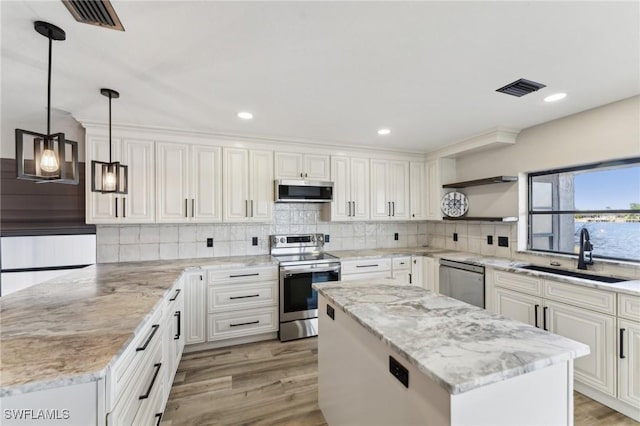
(46, 157)
(111, 177)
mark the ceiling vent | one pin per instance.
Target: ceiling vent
(521, 87)
(94, 12)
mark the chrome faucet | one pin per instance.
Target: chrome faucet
(584, 258)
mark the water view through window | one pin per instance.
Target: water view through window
(603, 198)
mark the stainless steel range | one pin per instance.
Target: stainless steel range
(302, 263)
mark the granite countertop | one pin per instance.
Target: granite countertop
(70, 329)
(459, 346)
(631, 287)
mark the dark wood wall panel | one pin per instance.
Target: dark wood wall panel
(30, 208)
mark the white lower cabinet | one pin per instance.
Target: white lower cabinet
(401, 269)
(195, 306)
(242, 302)
(611, 372)
(417, 270)
(365, 268)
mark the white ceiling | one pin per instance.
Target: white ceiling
(325, 71)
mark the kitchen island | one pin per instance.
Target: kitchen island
(399, 354)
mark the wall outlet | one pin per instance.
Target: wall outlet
(209, 242)
(455, 236)
(327, 238)
(490, 240)
(395, 236)
(503, 241)
(254, 241)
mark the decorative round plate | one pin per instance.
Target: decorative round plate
(454, 204)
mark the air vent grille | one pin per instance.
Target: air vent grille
(521, 87)
(94, 12)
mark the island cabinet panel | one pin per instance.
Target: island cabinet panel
(629, 363)
(356, 387)
(598, 369)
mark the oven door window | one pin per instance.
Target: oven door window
(298, 294)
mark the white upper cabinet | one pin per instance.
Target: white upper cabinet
(438, 172)
(189, 183)
(389, 190)
(417, 190)
(137, 206)
(301, 166)
(248, 185)
(350, 178)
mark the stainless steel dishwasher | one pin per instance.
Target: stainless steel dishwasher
(462, 281)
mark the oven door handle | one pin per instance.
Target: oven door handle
(287, 273)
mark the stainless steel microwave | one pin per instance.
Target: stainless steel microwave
(303, 191)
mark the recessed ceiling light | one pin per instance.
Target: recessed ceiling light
(384, 131)
(555, 97)
(245, 115)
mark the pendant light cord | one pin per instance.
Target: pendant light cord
(110, 127)
(49, 90)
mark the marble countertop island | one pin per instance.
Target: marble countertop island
(70, 329)
(459, 346)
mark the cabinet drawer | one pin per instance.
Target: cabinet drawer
(589, 298)
(151, 408)
(228, 276)
(124, 371)
(523, 283)
(401, 263)
(629, 307)
(237, 324)
(226, 297)
(369, 276)
(366, 265)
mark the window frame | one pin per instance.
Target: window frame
(591, 166)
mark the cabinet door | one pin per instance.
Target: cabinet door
(404, 276)
(417, 270)
(288, 166)
(206, 184)
(360, 188)
(100, 208)
(236, 185)
(380, 205)
(140, 201)
(261, 186)
(417, 191)
(629, 366)
(518, 306)
(316, 167)
(195, 313)
(431, 274)
(341, 177)
(591, 328)
(398, 189)
(172, 177)
(434, 190)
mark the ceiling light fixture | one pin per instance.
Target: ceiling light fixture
(245, 115)
(384, 131)
(48, 160)
(555, 97)
(111, 177)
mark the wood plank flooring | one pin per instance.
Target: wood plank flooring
(274, 383)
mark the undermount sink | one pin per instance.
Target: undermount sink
(573, 274)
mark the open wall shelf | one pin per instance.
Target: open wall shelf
(483, 219)
(485, 181)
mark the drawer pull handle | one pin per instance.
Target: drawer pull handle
(153, 333)
(177, 315)
(535, 314)
(175, 296)
(244, 297)
(544, 318)
(244, 275)
(244, 323)
(622, 343)
(367, 266)
(159, 417)
(153, 381)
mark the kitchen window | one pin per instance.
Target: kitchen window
(603, 197)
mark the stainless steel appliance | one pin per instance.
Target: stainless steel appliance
(303, 191)
(462, 281)
(302, 263)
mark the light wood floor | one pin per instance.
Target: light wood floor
(274, 383)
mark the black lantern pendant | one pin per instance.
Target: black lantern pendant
(109, 177)
(48, 161)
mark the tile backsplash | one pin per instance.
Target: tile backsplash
(124, 243)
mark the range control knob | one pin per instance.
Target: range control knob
(275, 240)
(282, 240)
(313, 239)
(321, 238)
